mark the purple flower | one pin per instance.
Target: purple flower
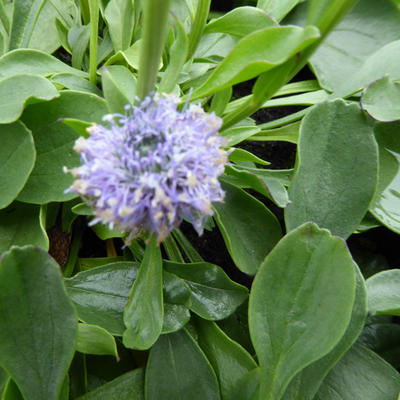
(150, 168)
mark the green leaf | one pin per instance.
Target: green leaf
(126, 387)
(244, 155)
(384, 292)
(100, 294)
(311, 290)
(364, 30)
(143, 315)
(17, 90)
(120, 16)
(17, 157)
(3, 380)
(176, 316)
(241, 21)
(305, 385)
(11, 391)
(26, 61)
(25, 15)
(119, 86)
(177, 57)
(277, 8)
(104, 232)
(336, 174)
(75, 82)
(381, 100)
(54, 142)
(37, 323)
(228, 359)
(249, 229)
(247, 387)
(78, 39)
(270, 183)
(20, 224)
(386, 202)
(93, 339)
(178, 369)
(256, 53)
(238, 134)
(214, 295)
(361, 374)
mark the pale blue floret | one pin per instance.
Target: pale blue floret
(148, 169)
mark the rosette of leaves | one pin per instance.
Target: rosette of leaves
(103, 317)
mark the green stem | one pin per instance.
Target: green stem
(94, 28)
(200, 20)
(73, 253)
(154, 34)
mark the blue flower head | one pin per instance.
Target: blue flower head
(148, 169)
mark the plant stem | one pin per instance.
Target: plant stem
(94, 27)
(153, 39)
(200, 20)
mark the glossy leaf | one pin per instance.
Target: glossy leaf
(214, 295)
(17, 157)
(176, 316)
(311, 289)
(126, 387)
(100, 294)
(362, 31)
(385, 205)
(144, 313)
(244, 155)
(119, 16)
(256, 53)
(228, 359)
(37, 324)
(384, 292)
(17, 90)
(93, 339)
(381, 100)
(241, 21)
(306, 384)
(28, 61)
(170, 370)
(119, 86)
(21, 224)
(361, 374)
(277, 8)
(54, 142)
(336, 174)
(247, 387)
(249, 229)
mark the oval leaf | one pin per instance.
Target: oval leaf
(311, 289)
(229, 360)
(101, 294)
(381, 100)
(54, 142)
(17, 157)
(16, 91)
(214, 295)
(385, 205)
(144, 313)
(21, 224)
(37, 323)
(93, 339)
(170, 370)
(384, 292)
(337, 168)
(249, 229)
(361, 374)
